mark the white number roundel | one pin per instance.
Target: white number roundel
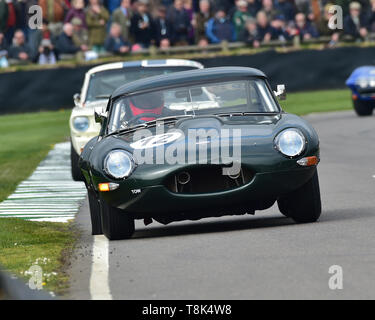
(157, 140)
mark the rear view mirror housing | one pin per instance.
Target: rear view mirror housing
(100, 115)
(280, 92)
(77, 99)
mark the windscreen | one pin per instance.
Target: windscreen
(102, 84)
(250, 96)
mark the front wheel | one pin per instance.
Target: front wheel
(303, 205)
(117, 225)
(363, 108)
(96, 221)
(76, 171)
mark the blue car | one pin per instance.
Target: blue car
(362, 84)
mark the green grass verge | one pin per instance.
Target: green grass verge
(317, 101)
(25, 140)
(47, 244)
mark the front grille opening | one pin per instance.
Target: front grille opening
(206, 179)
(367, 92)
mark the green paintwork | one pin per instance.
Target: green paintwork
(274, 174)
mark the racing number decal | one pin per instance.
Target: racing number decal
(157, 140)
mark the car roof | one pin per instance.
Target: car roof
(146, 64)
(187, 77)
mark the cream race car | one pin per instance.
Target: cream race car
(98, 85)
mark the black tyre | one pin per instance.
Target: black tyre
(76, 171)
(304, 204)
(117, 225)
(363, 108)
(96, 220)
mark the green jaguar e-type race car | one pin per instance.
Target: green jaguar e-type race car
(195, 144)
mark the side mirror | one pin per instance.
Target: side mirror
(280, 93)
(100, 115)
(77, 99)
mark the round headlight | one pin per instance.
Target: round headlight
(81, 123)
(118, 164)
(290, 142)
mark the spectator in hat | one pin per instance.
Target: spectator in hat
(19, 50)
(179, 18)
(264, 29)
(77, 13)
(65, 44)
(279, 29)
(80, 33)
(46, 53)
(115, 43)
(304, 29)
(220, 28)
(142, 25)
(122, 16)
(200, 21)
(355, 24)
(240, 16)
(163, 29)
(96, 17)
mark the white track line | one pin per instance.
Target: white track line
(49, 194)
(99, 279)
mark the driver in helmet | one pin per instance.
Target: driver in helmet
(148, 104)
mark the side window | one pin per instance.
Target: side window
(255, 99)
(118, 118)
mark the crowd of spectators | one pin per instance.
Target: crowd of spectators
(121, 26)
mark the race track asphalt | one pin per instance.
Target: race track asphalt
(254, 257)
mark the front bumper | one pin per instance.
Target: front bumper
(158, 200)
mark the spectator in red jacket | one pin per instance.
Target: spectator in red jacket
(77, 13)
(11, 21)
(306, 30)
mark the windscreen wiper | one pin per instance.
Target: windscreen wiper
(234, 114)
(151, 123)
(103, 96)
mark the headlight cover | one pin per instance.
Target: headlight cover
(81, 123)
(119, 164)
(290, 142)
